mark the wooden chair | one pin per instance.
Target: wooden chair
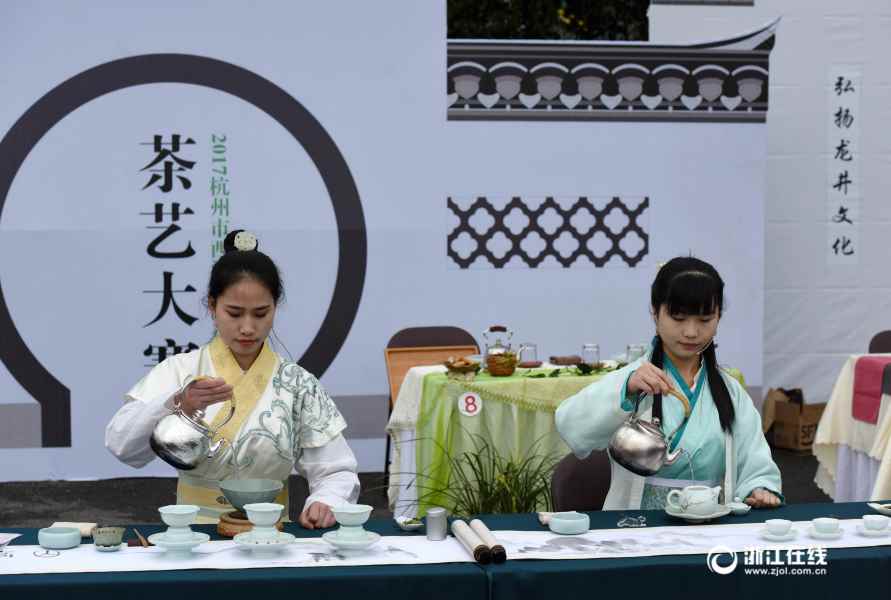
(419, 346)
(880, 343)
(581, 484)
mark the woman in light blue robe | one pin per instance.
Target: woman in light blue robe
(721, 442)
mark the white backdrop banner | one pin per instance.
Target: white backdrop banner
(397, 179)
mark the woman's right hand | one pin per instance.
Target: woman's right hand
(649, 379)
(201, 393)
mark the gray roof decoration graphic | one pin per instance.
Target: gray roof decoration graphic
(510, 80)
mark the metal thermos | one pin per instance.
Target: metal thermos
(437, 524)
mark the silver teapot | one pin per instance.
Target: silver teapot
(641, 447)
(184, 441)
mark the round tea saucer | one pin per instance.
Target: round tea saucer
(355, 544)
(788, 537)
(108, 548)
(249, 539)
(162, 541)
(824, 536)
(694, 518)
(870, 533)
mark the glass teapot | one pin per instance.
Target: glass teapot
(497, 341)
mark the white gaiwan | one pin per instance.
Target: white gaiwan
(264, 516)
(264, 538)
(179, 539)
(351, 536)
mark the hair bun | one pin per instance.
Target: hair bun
(240, 240)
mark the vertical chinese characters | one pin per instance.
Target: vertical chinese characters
(168, 171)
(219, 192)
(843, 166)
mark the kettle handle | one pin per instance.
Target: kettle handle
(210, 432)
(213, 432)
(675, 394)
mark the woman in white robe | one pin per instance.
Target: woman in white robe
(721, 442)
(283, 417)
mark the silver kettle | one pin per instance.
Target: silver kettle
(640, 446)
(184, 441)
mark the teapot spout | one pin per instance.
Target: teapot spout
(672, 456)
(212, 451)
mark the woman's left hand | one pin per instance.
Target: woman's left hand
(317, 515)
(761, 498)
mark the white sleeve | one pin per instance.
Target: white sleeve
(127, 434)
(330, 471)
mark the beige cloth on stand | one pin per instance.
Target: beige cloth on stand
(838, 427)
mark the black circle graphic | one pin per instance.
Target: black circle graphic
(53, 396)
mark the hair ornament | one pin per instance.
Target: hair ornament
(245, 241)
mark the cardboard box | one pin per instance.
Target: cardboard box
(788, 422)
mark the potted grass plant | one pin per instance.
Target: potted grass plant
(485, 481)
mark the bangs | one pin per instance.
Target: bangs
(693, 293)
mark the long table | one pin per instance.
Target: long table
(859, 570)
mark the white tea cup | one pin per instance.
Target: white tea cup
(826, 525)
(778, 527)
(875, 522)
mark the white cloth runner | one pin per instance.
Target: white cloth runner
(305, 552)
(674, 540)
(392, 550)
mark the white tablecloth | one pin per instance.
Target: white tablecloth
(402, 494)
(853, 456)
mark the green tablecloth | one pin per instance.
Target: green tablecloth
(862, 571)
(516, 417)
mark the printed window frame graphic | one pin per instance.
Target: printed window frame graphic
(533, 214)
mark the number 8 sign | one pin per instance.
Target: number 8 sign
(469, 404)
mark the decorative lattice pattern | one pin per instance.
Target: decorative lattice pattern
(583, 253)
